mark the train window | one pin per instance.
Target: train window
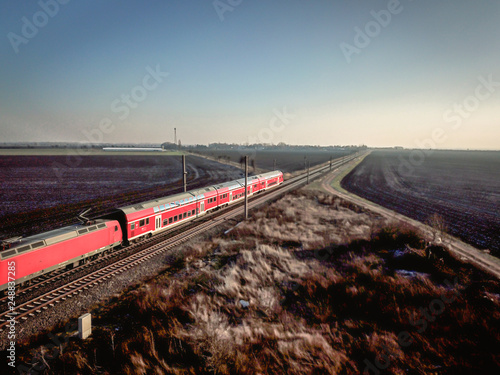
(141, 223)
(170, 220)
(192, 212)
(165, 222)
(82, 231)
(175, 218)
(116, 228)
(184, 215)
(132, 226)
(189, 213)
(197, 211)
(37, 244)
(147, 221)
(24, 248)
(8, 253)
(156, 209)
(100, 226)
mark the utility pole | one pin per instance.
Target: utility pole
(175, 136)
(274, 165)
(308, 165)
(246, 189)
(330, 163)
(184, 173)
(305, 162)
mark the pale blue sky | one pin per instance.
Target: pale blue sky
(231, 72)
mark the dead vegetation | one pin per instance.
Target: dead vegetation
(309, 285)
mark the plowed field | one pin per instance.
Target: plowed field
(462, 187)
(41, 192)
(286, 160)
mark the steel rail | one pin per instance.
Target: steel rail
(51, 298)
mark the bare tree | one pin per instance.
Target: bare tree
(439, 228)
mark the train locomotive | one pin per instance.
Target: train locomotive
(73, 245)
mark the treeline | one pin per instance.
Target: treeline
(279, 146)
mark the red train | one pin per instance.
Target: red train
(70, 246)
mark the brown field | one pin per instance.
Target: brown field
(463, 188)
(40, 192)
(309, 285)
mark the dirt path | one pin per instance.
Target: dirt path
(462, 251)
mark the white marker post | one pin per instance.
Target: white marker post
(84, 326)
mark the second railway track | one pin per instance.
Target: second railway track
(44, 301)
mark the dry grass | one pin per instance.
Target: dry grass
(309, 285)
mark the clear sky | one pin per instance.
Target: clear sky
(421, 73)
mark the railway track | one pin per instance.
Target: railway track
(44, 301)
